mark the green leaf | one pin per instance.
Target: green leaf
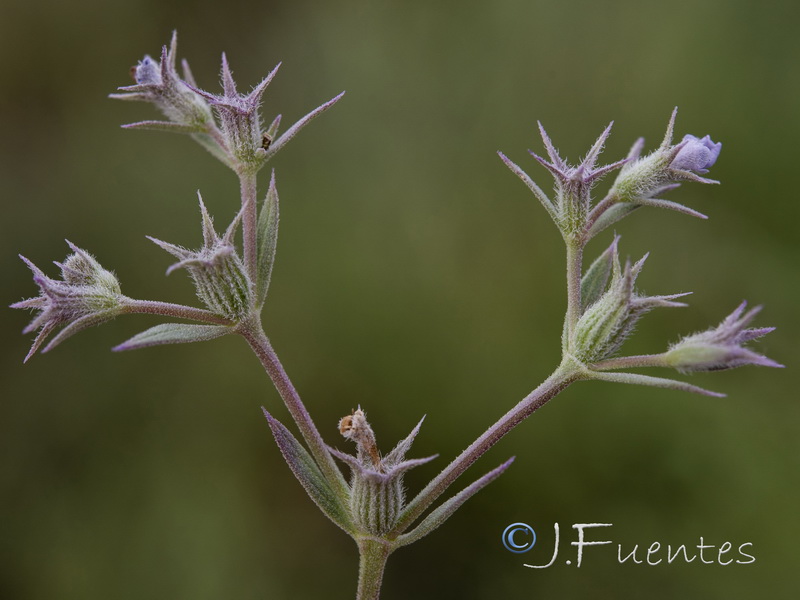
(636, 379)
(616, 213)
(267, 240)
(309, 475)
(173, 333)
(443, 512)
(594, 281)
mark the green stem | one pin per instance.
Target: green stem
(247, 182)
(373, 553)
(574, 266)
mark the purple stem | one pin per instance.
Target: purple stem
(630, 362)
(553, 385)
(249, 223)
(167, 309)
(255, 336)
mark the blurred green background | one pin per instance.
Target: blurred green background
(415, 275)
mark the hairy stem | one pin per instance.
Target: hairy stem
(373, 553)
(598, 210)
(249, 222)
(167, 309)
(574, 266)
(566, 374)
(255, 336)
(630, 362)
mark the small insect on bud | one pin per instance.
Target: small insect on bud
(377, 494)
(355, 427)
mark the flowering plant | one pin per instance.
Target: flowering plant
(232, 282)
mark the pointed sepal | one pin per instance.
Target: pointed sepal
(295, 129)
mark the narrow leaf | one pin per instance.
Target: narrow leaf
(594, 281)
(84, 322)
(267, 240)
(295, 129)
(669, 204)
(616, 213)
(173, 333)
(163, 126)
(636, 379)
(537, 191)
(308, 474)
(444, 511)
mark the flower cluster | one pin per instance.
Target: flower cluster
(721, 347)
(216, 269)
(239, 140)
(86, 295)
(377, 492)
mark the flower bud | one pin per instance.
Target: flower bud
(240, 118)
(377, 492)
(88, 295)
(696, 154)
(606, 324)
(722, 347)
(216, 269)
(643, 179)
(158, 82)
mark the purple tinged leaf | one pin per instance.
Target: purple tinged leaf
(309, 475)
(168, 126)
(446, 510)
(173, 333)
